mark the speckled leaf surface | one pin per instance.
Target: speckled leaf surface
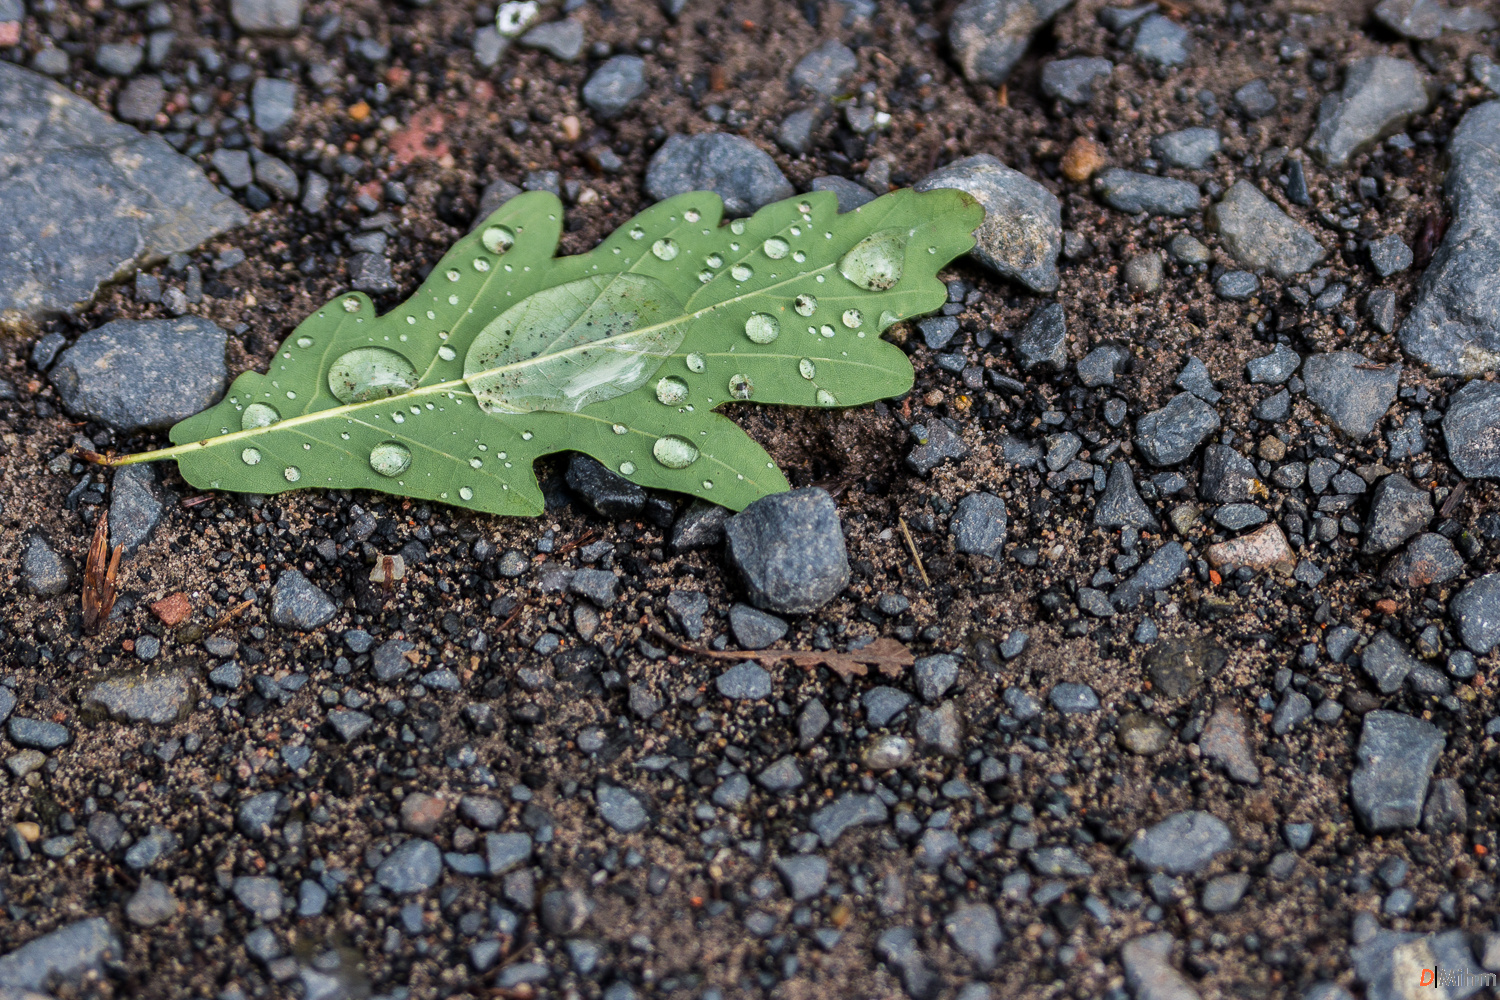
(506, 353)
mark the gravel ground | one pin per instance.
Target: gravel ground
(1189, 524)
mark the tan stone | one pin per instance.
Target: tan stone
(1083, 158)
(1263, 549)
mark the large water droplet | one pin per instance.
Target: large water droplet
(799, 256)
(351, 305)
(481, 264)
(853, 318)
(304, 342)
(740, 386)
(464, 493)
(692, 215)
(447, 353)
(741, 272)
(453, 274)
(671, 391)
(776, 247)
(627, 468)
(825, 398)
(827, 330)
(737, 227)
(497, 239)
(664, 249)
(475, 463)
(807, 368)
(258, 415)
(367, 373)
(674, 452)
(620, 429)
(695, 363)
(250, 456)
(875, 262)
(390, 458)
(805, 305)
(292, 473)
(762, 328)
(714, 260)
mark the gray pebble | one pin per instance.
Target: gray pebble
(414, 866)
(1380, 95)
(1143, 273)
(297, 603)
(935, 674)
(1162, 41)
(1129, 191)
(1043, 343)
(850, 196)
(1186, 249)
(1121, 505)
(1182, 844)
(882, 704)
(614, 85)
(979, 525)
(974, 930)
(754, 629)
(988, 37)
(1398, 510)
(270, 17)
(1274, 368)
(1073, 699)
(1190, 149)
(849, 810)
(142, 374)
(1389, 255)
(1021, 234)
(732, 167)
(69, 953)
(1224, 893)
(1171, 434)
(141, 99)
(1072, 80)
(826, 68)
(789, 548)
(1259, 235)
(1236, 286)
(1396, 756)
(1351, 390)
(620, 808)
(1476, 614)
(47, 574)
(560, 39)
(1471, 428)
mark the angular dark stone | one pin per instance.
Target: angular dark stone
(1398, 510)
(1396, 756)
(789, 549)
(1354, 392)
(1258, 234)
(732, 167)
(1182, 844)
(1043, 343)
(1472, 429)
(1380, 95)
(142, 374)
(1476, 614)
(988, 37)
(941, 444)
(614, 85)
(1171, 434)
(1021, 234)
(979, 525)
(613, 497)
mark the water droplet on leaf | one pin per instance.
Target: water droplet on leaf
(250, 456)
(671, 391)
(351, 305)
(258, 415)
(762, 328)
(390, 458)
(620, 429)
(464, 493)
(475, 463)
(875, 262)
(498, 239)
(853, 318)
(737, 227)
(481, 264)
(805, 305)
(636, 232)
(627, 468)
(447, 353)
(367, 373)
(740, 386)
(674, 452)
(807, 368)
(695, 363)
(664, 249)
(304, 342)
(825, 398)
(776, 247)
(292, 473)
(453, 274)
(691, 215)
(714, 260)
(741, 272)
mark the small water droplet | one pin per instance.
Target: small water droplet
(627, 468)
(714, 260)
(740, 386)
(762, 328)
(475, 463)
(671, 391)
(390, 458)
(799, 256)
(344, 435)
(804, 207)
(453, 300)
(292, 473)
(708, 484)
(695, 363)
(367, 373)
(351, 305)
(932, 249)
(692, 215)
(258, 415)
(853, 318)
(741, 272)
(527, 435)
(453, 274)
(805, 305)
(447, 353)
(704, 277)
(250, 456)
(411, 321)
(399, 417)
(875, 262)
(497, 239)
(674, 452)
(887, 318)
(664, 249)
(290, 394)
(737, 227)
(827, 330)
(807, 368)
(825, 398)
(776, 247)
(795, 230)
(620, 429)
(481, 264)
(304, 342)
(464, 493)
(636, 232)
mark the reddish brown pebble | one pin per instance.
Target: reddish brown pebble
(173, 608)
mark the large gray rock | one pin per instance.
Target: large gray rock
(732, 167)
(1427, 19)
(1259, 234)
(297, 603)
(988, 37)
(142, 374)
(1021, 234)
(1380, 96)
(157, 697)
(789, 548)
(68, 953)
(1182, 844)
(1472, 430)
(1396, 756)
(1072, 80)
(1398, 510)
(979, 525)
(87, 200)
(1352, 390)
(1455, 326)
(267, 17)
(1476, 613)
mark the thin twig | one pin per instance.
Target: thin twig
(227, 617)
(583, 539)
(1455, 499)
(912, 544)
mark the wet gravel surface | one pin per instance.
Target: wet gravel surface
(1189, 525)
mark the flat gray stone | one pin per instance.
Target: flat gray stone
(1380, 96)
(1224, 893)
(614, 85)
(1389, 965)
(979, 525)
(988, 37)
(504, 851)
(1072, 80)
(38, 734)
(267, 17)
(1171, 434)
(152, 903)
(734, 168)
(1387, 661)
(850, 194)
(259, 894)
(1259, 235)
(848, 810)
(1427, 19)
(620, 808)
(273, 103)
(1398, 510)
(88, 199)
(1351, 390)
(1454, 328)
(1472, 429)
(1043, 342)
(47, 573)
(413, 866)
(1390, 255)
(559, 39)
(1182, 844)
(748, 681)
(1396, 756)
(975, 931)
(935, 675)
(135, 506)
(1133, 192)
(1226, 742)
(1162, 41)
(753, 628)
(1121, 505)
(1021, 235)
(826, 68)
(1476, 613)
(156, 697)
(297, 603)
(140, 100)
(1149, 972)
(1274, 368)
(68, 953)
(142, 374)
(789, 550)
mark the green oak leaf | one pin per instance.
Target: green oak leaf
(507, 353)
